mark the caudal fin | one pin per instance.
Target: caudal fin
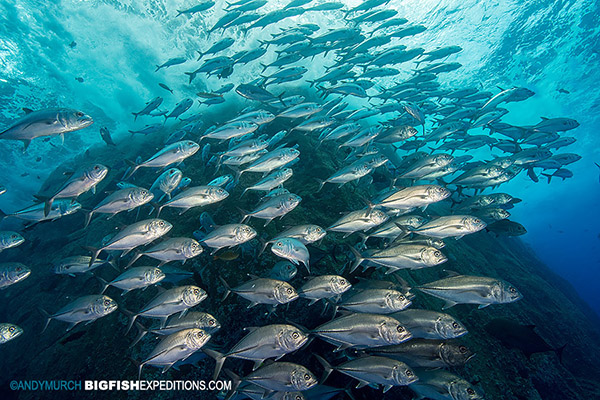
(358, 259)
(227, 288)
(326, 366)
(219, 359)
(47, 316)
(95, 252)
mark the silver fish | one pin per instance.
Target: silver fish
(362, 331)
(428, 324)
(49, 122)
(11, 273)
(361, 220)
(402, 256)
(228, 236)
(451, 226)
(175, 347)
(175, 300)
(292, 250)
(443, 385)
(196, 196)
(375, 301)
(273, 207)
(78, 265)
(323, 287)
(465, 289)
(280, 376)
(283, 271)
(122, 200)
(135, 278)
(170, 154)
(172, 249)
(374, 370)
(427, 353)
(10, 239)
(263, 291)
(271, 181)
(270, 341)
(83, 309)
(304, 233)
(134, 235)
(82, 180)
(166, 183)
(9, 332)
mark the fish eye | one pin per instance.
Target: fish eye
(161, 223)
(409, 372)
(401, 297)
(470, 391)
(437, 254)
(96, 167)
(106, 302)
(462, 349)
(11, 329)
(295, 335)
(196, 291)
(18, 269)
(79, 114)
(306, 377)
(211, 322)
(513, 290)
(455, 325)
(289, 291)
(400, 329)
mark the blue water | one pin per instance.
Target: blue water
(541, 45)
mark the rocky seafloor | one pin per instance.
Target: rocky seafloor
(100, 351)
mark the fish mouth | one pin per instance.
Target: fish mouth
(85, 121)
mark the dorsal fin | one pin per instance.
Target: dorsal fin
(27, 110)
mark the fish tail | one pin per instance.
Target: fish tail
(133, 167)
(236, 380)
(219, 359)
(139, 365)
(327, 367)
(142, 331)
(47, 316)
(2, 215)
(157, 68)
(227, 288)
(264, 67)
(113, 264)
(179, 12)
(95, 252)
(321, 184)
(131, 317)
(133, 259)
(104, 283)
(88, 217)
(135, 116)
(548, 176)
(158, 208)
(280, 97)
(47, 203)
(358, 259)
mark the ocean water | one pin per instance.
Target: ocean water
(100, 57)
